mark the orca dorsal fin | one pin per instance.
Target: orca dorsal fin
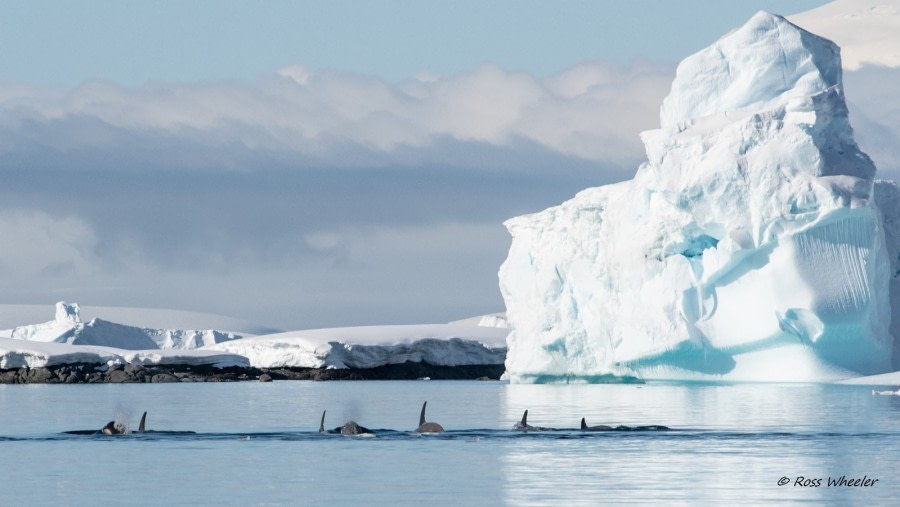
(583, 424)
(525, 419)
(422, 415)
(142, 426)
(322, 423)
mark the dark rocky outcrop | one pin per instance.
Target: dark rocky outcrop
(81, 373)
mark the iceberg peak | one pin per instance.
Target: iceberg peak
(68, 313)
(757, 67)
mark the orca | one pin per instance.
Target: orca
(428, 427)
(650, 427)
(114, 428)
(349, 428)
(603, 427)
(599, 427)
(119, 428)
(524, 426)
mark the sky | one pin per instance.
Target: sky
(319, 164)
(133, 42)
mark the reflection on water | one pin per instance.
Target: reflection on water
(731, 444)
(258, 443)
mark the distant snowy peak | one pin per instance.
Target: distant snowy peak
(745, 71)
(868, 31)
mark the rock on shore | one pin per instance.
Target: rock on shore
(83, 373)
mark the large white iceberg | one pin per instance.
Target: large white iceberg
(748, 247)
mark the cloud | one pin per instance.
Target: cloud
(593, 112)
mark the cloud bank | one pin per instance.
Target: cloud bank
(295, 115)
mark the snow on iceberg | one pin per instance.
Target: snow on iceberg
(747, 247)
(68, 327)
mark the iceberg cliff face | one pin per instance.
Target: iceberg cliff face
(748, 247)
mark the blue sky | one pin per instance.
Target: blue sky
(131, 42)
(313, 164)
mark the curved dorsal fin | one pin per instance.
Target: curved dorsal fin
(525, 418)
(322, 423)
(583, 424)
(141, 427)
(422, 415)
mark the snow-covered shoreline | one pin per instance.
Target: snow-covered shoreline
(67, 340)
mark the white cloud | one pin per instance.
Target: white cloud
(592, 112)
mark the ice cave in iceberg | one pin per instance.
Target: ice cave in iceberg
(753, 244)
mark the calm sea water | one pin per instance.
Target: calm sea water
(257, 444)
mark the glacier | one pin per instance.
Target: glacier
(753, 244)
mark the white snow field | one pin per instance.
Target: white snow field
(67, 339)
(752, 245)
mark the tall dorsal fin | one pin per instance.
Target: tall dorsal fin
(142, 426)
(422, 415)
(525, 418)
(322, 423)
(583, 424)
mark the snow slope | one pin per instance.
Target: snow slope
(866, 30)
(747, 247)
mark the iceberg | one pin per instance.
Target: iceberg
(753, 244)
(67, 327)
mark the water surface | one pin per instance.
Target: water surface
(257, 444)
